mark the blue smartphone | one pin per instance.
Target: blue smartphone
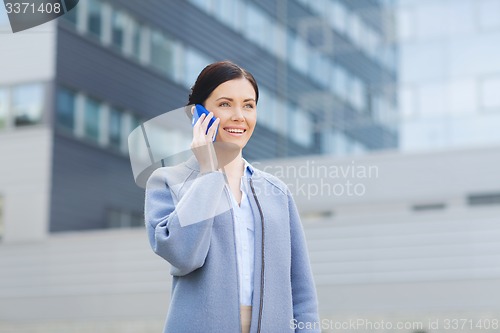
(198, 111)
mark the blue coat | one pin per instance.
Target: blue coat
(190, 224)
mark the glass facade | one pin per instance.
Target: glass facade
(103, 124)
(162, 53)
(449, 81)
(118, 27)
(490, 93)
(115, 128)
(66, 106)
(135, 38)
(118, 218)
(194, 63)
(94, 18)
(72, 15)
(311, 50)
(27, 104)
(92, 119)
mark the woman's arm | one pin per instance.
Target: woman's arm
(305, 304)
(179, 230)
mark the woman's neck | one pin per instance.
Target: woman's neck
(235, 168)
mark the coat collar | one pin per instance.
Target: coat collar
(193, 164)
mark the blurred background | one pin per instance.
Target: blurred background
(382, 116)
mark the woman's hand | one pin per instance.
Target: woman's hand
(202, 144)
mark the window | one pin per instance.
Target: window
(488, 14)
(463, 95)
(280, 113)
(279, 47)
(92, 119)
(136, 38)
(3, 107)
(117, 218)
(257, 25)
(335, 142)
(114, 218)
(115, 128)
(490, 96)
(265, 116)
(405, 23)
(318, 6)
(358, 93)
(432, 99)
(72, 16)
(341, 80)
(372, 42)
(319, 68)
(297, 52)
(356, 30)
(301, 129)
(27, 104)
(407, 102)
(338, 17)
(205, 5)
(228, 11)
(118, 24)
(162, 53)
(66, 105)
(136, 219)
(94, 19)
(194, 63)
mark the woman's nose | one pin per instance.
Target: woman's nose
(237, 114)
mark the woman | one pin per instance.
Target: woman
(231, 233)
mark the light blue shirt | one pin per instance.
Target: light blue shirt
(244, 233)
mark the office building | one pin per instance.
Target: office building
(71, 90)
(449, 73)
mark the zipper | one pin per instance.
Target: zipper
(262, 259)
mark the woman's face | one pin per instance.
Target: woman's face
(234, 103)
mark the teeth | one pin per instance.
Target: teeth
(231, 130)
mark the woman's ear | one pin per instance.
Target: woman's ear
(192, 110)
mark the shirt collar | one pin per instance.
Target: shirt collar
(249, 169)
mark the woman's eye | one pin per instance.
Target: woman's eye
(250, 106)
(224, 104)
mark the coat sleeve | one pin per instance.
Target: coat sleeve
(305, 304)
(179, 229)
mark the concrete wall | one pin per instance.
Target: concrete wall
(25, 168)
(29, 55)
(388, 181)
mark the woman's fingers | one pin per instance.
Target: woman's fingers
(197, 125)
(213, 128)
(204, 125)
(206, 121)
(200, 133)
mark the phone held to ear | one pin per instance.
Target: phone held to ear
(198, 111)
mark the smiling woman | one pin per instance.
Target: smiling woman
(233, 103)
(239, 269)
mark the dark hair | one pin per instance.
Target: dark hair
(215, 74)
